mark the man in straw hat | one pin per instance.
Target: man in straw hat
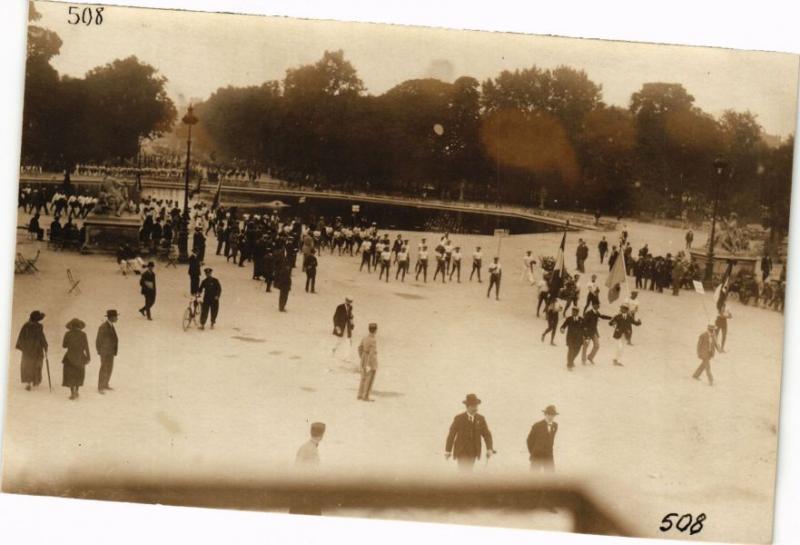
(368, 353)
(464, 439)
(622, 323)
(706, 348)
(107, 345)
(33, 345)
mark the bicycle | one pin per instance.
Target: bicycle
(191, 312)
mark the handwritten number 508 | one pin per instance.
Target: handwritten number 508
(87, 16)
(683, 523)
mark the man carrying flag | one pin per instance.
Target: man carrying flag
(721, 293)
(559, 270)
(616, 278)
(215, 203)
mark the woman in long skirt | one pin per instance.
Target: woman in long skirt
(76, 357)
(33, 345)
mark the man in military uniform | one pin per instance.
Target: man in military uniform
(307, 460)
(464, 439)
(368, 353)
(211, 290)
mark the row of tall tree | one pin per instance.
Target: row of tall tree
(531, 136)
(100, 118)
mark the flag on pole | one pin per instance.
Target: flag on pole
(616, 278)
(721, 293)
(559, 270)
(215, 204)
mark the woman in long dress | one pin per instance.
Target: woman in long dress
(33, 345)
(76, 357)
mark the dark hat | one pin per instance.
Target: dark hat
(317, 429)
(75, 323)
(373, 326)
(150, 264)
(550, 409)
(208, 269)
(471, 399)
(575, 310)
(36, 315)
(112, 313)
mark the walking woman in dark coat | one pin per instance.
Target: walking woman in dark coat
(33, 344)
(76, 357)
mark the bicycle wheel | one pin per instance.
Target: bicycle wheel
(188, 317)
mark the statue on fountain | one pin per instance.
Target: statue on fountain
(730, 237)
(114, 198)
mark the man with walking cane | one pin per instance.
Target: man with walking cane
(464, 439)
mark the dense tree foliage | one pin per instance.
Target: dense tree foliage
(533, 136)
(98, 118)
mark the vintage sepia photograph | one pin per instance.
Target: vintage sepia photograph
(400, 273)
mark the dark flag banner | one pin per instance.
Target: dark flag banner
(559, 271)
(721, 293)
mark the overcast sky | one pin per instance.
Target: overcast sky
(200, 52)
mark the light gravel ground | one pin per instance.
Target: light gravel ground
(238, 400)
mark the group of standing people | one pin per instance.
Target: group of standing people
(32, 343)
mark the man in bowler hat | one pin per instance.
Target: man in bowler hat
(540, 441)
(148, 284)
(107, 345)
(540, 446)
(464, 439)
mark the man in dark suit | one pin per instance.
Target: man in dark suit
(575, 331)
(211, 290)
(540, 445)
(590, 332)
(343, 324)
(194, 273)
(148, 287)
(199, 243)
(283, 281)
(540, 441)
(464, 440)
(107, 345)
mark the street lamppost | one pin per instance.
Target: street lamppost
(719, 165)
(183, 236)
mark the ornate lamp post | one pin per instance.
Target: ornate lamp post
(183, 235)
(719, 165)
